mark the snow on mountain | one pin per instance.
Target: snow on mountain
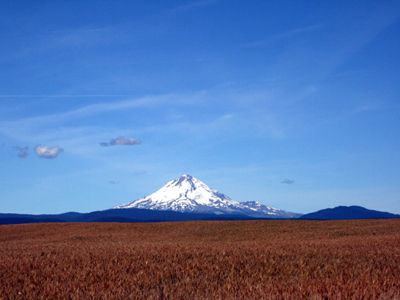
(262, 209)
(189, 194)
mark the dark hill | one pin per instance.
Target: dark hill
(348, 213)
(118, 215)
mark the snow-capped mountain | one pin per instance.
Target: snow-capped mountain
(189, 194)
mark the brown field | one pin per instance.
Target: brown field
(197, 260)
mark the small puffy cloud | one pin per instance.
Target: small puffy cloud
(22, 152)
(287, 181)
(48, 152)
(121, 141)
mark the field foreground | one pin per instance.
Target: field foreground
(197, 260)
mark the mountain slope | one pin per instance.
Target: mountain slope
(348, 213)
(189, 194)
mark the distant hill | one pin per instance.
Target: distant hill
(348, 213)
(118, 215)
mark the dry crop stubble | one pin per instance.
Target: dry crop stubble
(240, 259)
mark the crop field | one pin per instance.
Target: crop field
(202, 260)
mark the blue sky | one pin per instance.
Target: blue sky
(291, 103)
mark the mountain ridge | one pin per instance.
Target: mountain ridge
(118, 215)
(143, 215)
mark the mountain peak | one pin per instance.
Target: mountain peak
(189, 194)
(186, 177)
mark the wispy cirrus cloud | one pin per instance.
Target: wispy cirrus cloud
(183, 115)
(284, 35)
(49, 41)
(105, 107)
(299, 30)
(192, 5)
(81, 37)
(121, 141)
(48, 152)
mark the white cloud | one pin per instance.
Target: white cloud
(121, 141)
(48, 152)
